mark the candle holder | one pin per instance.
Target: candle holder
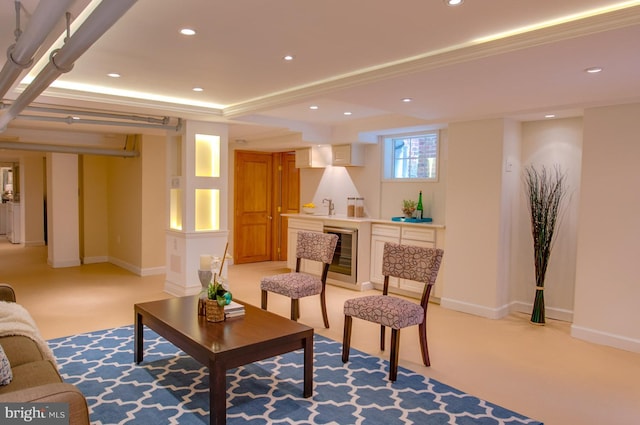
(205, 278)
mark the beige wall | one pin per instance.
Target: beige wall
(154, 203)
(549, 143)
(123, 219)
(474, 208)
(607, 282)
(32, 188)
(124, 214)
(95, 207)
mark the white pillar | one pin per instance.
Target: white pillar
(196, 212)
(62, 210)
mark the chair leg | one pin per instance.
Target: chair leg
(393, 361)
(263, 301)
(422, 334)
(323, 305)
(295, 309)
(381, 337)
(346, 338)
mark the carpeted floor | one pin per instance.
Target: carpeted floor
(170, 387)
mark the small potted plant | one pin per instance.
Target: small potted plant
(408, 207)
(217, 297)
(218, 294)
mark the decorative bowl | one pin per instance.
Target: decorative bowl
(308, 210)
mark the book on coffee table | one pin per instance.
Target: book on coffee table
(233, 309)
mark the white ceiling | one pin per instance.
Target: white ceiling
(361, 56)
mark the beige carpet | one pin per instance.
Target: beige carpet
(541, 372)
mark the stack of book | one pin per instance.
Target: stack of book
(233, 309)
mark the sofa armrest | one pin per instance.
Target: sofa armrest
(7, 293)
(53, 393)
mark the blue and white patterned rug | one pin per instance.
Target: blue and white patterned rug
(170, 387)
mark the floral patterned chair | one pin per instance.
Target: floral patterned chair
(312, 246)
(406, 262)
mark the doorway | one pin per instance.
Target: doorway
(267, 185)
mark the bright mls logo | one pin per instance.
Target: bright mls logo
(34, 413)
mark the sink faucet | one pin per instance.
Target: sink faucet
(330, 202)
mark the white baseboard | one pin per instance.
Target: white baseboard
(153, 271)
(550, 312)
(133, 269)
(66, 263)
(95, 260)
(179, 290)
(361, 286)
(478, 310)
(605, 338)
(34, 243)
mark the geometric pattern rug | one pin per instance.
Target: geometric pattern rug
(169, 387)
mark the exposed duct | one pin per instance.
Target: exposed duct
(68, 149)
(103, 17)
(20, 55)
(76, 120)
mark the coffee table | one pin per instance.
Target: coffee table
(220, 346)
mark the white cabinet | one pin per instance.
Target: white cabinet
(13, 223)
(347, 155)
(313, 157)
(292, 241)
(3, 218)
(381, 233)
(425, 238)
(405, 235)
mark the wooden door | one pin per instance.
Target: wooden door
(266, 186)
(290, 199)
(253, 219)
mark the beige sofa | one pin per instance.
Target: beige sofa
(35, 376)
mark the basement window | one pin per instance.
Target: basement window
(411, 157)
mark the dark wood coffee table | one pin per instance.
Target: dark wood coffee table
(220, 346)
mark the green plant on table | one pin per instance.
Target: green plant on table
(218, 288)
(408, 207)
(217, 291)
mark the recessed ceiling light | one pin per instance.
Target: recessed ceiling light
(288, 57)
(197, 89)
(187, 31)
(550, 116)
(453, 2)
(347, 113)
(406, 99)
(593, 70)
(314, 107)
(113, 75)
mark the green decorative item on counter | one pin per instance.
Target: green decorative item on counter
(408, 207)
(419, 208)
(545, 194)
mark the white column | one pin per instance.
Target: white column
(62, 210)
(196, 212)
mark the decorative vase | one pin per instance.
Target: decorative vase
(215, 312)
(205, 278)
(538, 314)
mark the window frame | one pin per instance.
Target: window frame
(388, 157)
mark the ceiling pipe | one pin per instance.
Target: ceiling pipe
(72, 120)
(105, 15)
(67, 149)
(110, 115)
(20, 55)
